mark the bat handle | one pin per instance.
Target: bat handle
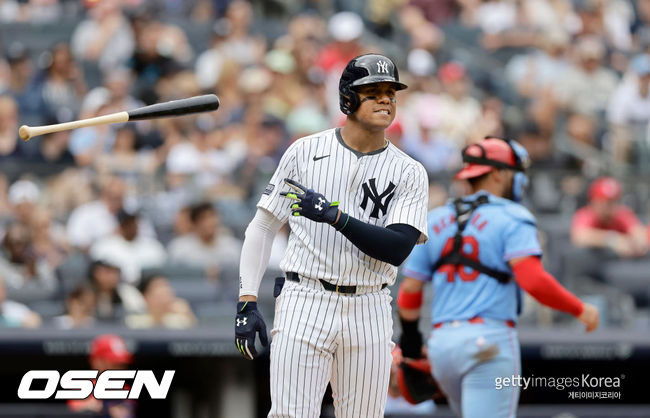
(27, 132)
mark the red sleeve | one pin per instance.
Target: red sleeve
(625, 217)
(583, 218)
(532, 277)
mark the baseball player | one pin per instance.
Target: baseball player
(483, 251)
(356, 206)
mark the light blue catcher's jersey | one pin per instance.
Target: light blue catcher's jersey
(497, 232)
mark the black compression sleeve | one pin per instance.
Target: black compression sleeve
(391, 244)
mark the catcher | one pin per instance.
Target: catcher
(482, 253)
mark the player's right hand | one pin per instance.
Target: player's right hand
(411, 339)
(248, 322)
(589, 316)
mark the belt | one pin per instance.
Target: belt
(344, 290)
(475, 320)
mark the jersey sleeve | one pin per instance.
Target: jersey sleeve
(520, 237)
(410, 203)
(419, 265)
(271, 199)
(627, 218)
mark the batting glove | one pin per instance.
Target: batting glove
(247, 322)
(411, 339)
(310, 204)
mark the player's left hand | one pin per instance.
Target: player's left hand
(310, 204)
(248, 322)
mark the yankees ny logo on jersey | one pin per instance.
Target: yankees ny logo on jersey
(241, 322)
(370, 193)
(382, 67)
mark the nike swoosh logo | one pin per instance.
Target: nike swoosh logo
(320, 158)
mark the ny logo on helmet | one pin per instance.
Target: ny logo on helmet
(380, 201)
(382, 67)
(241, 321)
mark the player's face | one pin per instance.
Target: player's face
(377, 107)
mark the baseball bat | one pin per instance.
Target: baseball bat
(205, 103)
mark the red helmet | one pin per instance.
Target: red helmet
(112, 348)
(485, 156)
(605, 188)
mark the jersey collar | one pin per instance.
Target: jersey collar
(355, 152)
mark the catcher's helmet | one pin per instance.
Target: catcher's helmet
(493, 152)
(362, 70)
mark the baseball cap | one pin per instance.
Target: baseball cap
(420, 62)
(23, 191)
(345, 26)
(451, 71)
(605, 189)
(110, 347)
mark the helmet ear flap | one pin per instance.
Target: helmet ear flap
(348, 100)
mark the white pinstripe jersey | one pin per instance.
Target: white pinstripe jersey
(381, 188)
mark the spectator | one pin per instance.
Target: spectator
(23, 196)
(128, 250)
(64, 86)
(107, 352)
(96, 219)
(49, 239)
(22, 87)
(459, 112)
(606, 224)
(114, 298)
(628, 111)
(79, 309)
(164, 309)
(105, 38)
(125, 160)
(25, 275)
(14, 314)
(588, 85)
(208, 246)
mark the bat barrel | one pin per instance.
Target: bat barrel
(180, 107)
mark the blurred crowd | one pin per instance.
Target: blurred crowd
(141, 224)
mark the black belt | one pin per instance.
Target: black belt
(346, 290)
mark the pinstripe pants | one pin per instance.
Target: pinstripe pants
(319, 337)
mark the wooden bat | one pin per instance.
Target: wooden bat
(205, 103)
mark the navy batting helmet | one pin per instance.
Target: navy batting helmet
(363, 70)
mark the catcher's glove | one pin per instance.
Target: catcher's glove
(310, 204)
(414, 379)
(248, 322)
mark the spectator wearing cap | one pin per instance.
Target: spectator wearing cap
(14, 314)
(164, 309)
(606, 224)
(208, 245)
(26, 275)
(114, 298)
(23, 197)
(107, 352)
(345, 30)
(130, 251)
(628, 111)
(80, 306)
(459, 111)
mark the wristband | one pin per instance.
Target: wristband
(409, 300)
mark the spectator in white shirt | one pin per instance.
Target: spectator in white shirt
(628, 111)
(128, 250)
